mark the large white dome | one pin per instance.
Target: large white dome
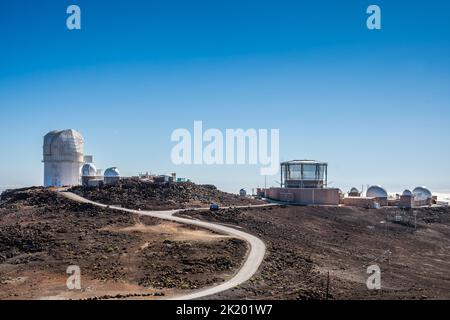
(63, 153)
(376, 192)
(112, 173)
(422, 193)
(65, 145)
(88, 170)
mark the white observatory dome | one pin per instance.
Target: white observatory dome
(63, 153)
(66, 145)
(88, 170)
(422, 193)
(112, 173)
(376, 192)
(407, 192)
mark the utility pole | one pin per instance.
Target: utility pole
(328, 285)
(415, 220)
(265, 187)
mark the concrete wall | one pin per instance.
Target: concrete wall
(410, 202)
(59, 174)
(422, 203)
(305, 195)
(406, 201)
(365, 202)
(361, 202)
(92, 181)
(111, 180)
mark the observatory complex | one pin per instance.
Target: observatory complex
(377, 196)
(305, 182)
(66, 165)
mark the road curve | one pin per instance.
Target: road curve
(255, 256)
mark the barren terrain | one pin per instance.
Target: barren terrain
(120, 255)
(140, 195)
(124, 255)
(306, 243)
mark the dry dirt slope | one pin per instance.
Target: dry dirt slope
(305, 243)
(120, 254)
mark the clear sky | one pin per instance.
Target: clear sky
(374, 104)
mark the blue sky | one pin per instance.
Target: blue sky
(374, 104)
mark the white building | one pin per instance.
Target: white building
(63, 158)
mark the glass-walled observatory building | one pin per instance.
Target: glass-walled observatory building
(304, 182)
(304, 174)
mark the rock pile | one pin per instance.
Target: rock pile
(137, 194)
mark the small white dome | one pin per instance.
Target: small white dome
(407, 193)
(376, 192)
(112, 173)
(422, 193)
(88, 170)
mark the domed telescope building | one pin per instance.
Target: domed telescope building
(422, 193)
(407, 193)
(377, 192)
(63, 157)
(112, 175)
(354, 192)
(88, 173)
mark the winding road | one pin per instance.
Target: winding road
(255, 256)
